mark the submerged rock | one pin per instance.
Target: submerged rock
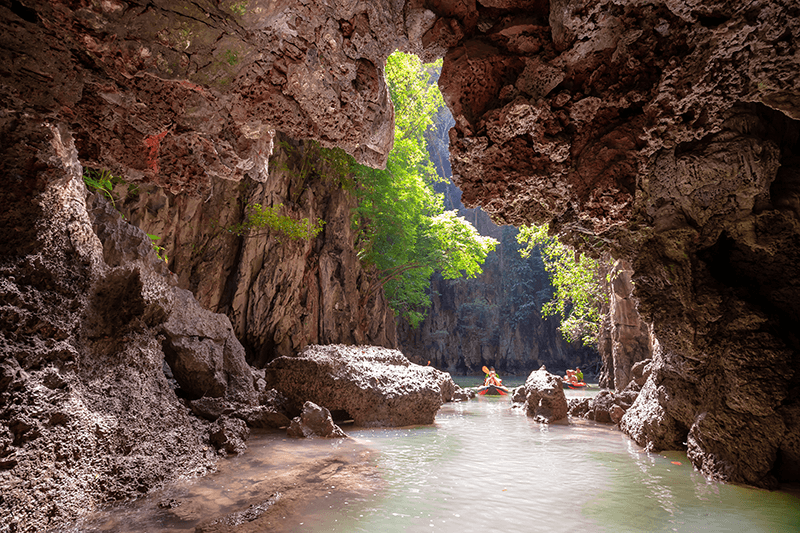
(374, 386)
(544, 397)
(314, 421)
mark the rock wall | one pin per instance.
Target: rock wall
(88, 315)
(280, 294)
(668, 133)
(495, 318)
(625, 339)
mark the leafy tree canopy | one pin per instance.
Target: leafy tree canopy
(404, 230)
(579, 296)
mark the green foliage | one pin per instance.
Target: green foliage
(239, 8)
(160, 251)
(403, 228)
(314, 161)
(258, 217)
(231, 57)
(101, 181)
(579, 296)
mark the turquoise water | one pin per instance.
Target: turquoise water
(484, 466)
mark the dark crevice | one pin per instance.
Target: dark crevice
(22, 11)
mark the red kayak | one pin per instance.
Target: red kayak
(492, 390)
(575, 384)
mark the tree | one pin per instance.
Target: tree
(404, 230)
(579, 296)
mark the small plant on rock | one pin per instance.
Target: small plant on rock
(259, 217)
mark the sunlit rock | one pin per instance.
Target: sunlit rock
(544, 397)
(373, 386)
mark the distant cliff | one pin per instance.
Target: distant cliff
(495, 318)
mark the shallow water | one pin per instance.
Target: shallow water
(484, 465)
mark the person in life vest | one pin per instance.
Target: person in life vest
(578, 374)
(492, 379)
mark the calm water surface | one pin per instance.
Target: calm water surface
(484, 466)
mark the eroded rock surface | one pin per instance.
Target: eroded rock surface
(373, 386)
(179, 94)
(544, 397)
(314, 421)
(280, 294)
(625, 339)
(667, 135)
(87, 414)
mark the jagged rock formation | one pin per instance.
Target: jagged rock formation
(544, 397)
(625, 339)
(372, 386)
(314, 421)
(179, 94)
(670, 131)
(667, 129)
(280, 294)
(86, 411)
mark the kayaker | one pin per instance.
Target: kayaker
(578, 374)
(492, 379)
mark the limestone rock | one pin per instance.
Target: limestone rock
(670, 142)
(229, 435)
(314, 421)
(518, 394)
(462, 395)
(88, 411)
(579, 407)
(544, 397)
(203, 353)
(630, 339)
(279, 294)
(374, 386)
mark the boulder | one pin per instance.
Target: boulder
(544, 397)
(374, 386)
(203, 353)
(462, 395)
(518, 394)
(228, 435)
(314, 421)
(578, 407)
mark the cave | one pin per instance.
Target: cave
(659, 133)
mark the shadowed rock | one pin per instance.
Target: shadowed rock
(314, 421)
(229, 434)
(374, 386)
(544, 397)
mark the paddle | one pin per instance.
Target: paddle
(485, 370)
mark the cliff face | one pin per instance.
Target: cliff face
(670, 131)
(280, 294)
(495, 318)
(625, 339)
(88, 316)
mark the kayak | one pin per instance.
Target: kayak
(575, 384)
(492, 390)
